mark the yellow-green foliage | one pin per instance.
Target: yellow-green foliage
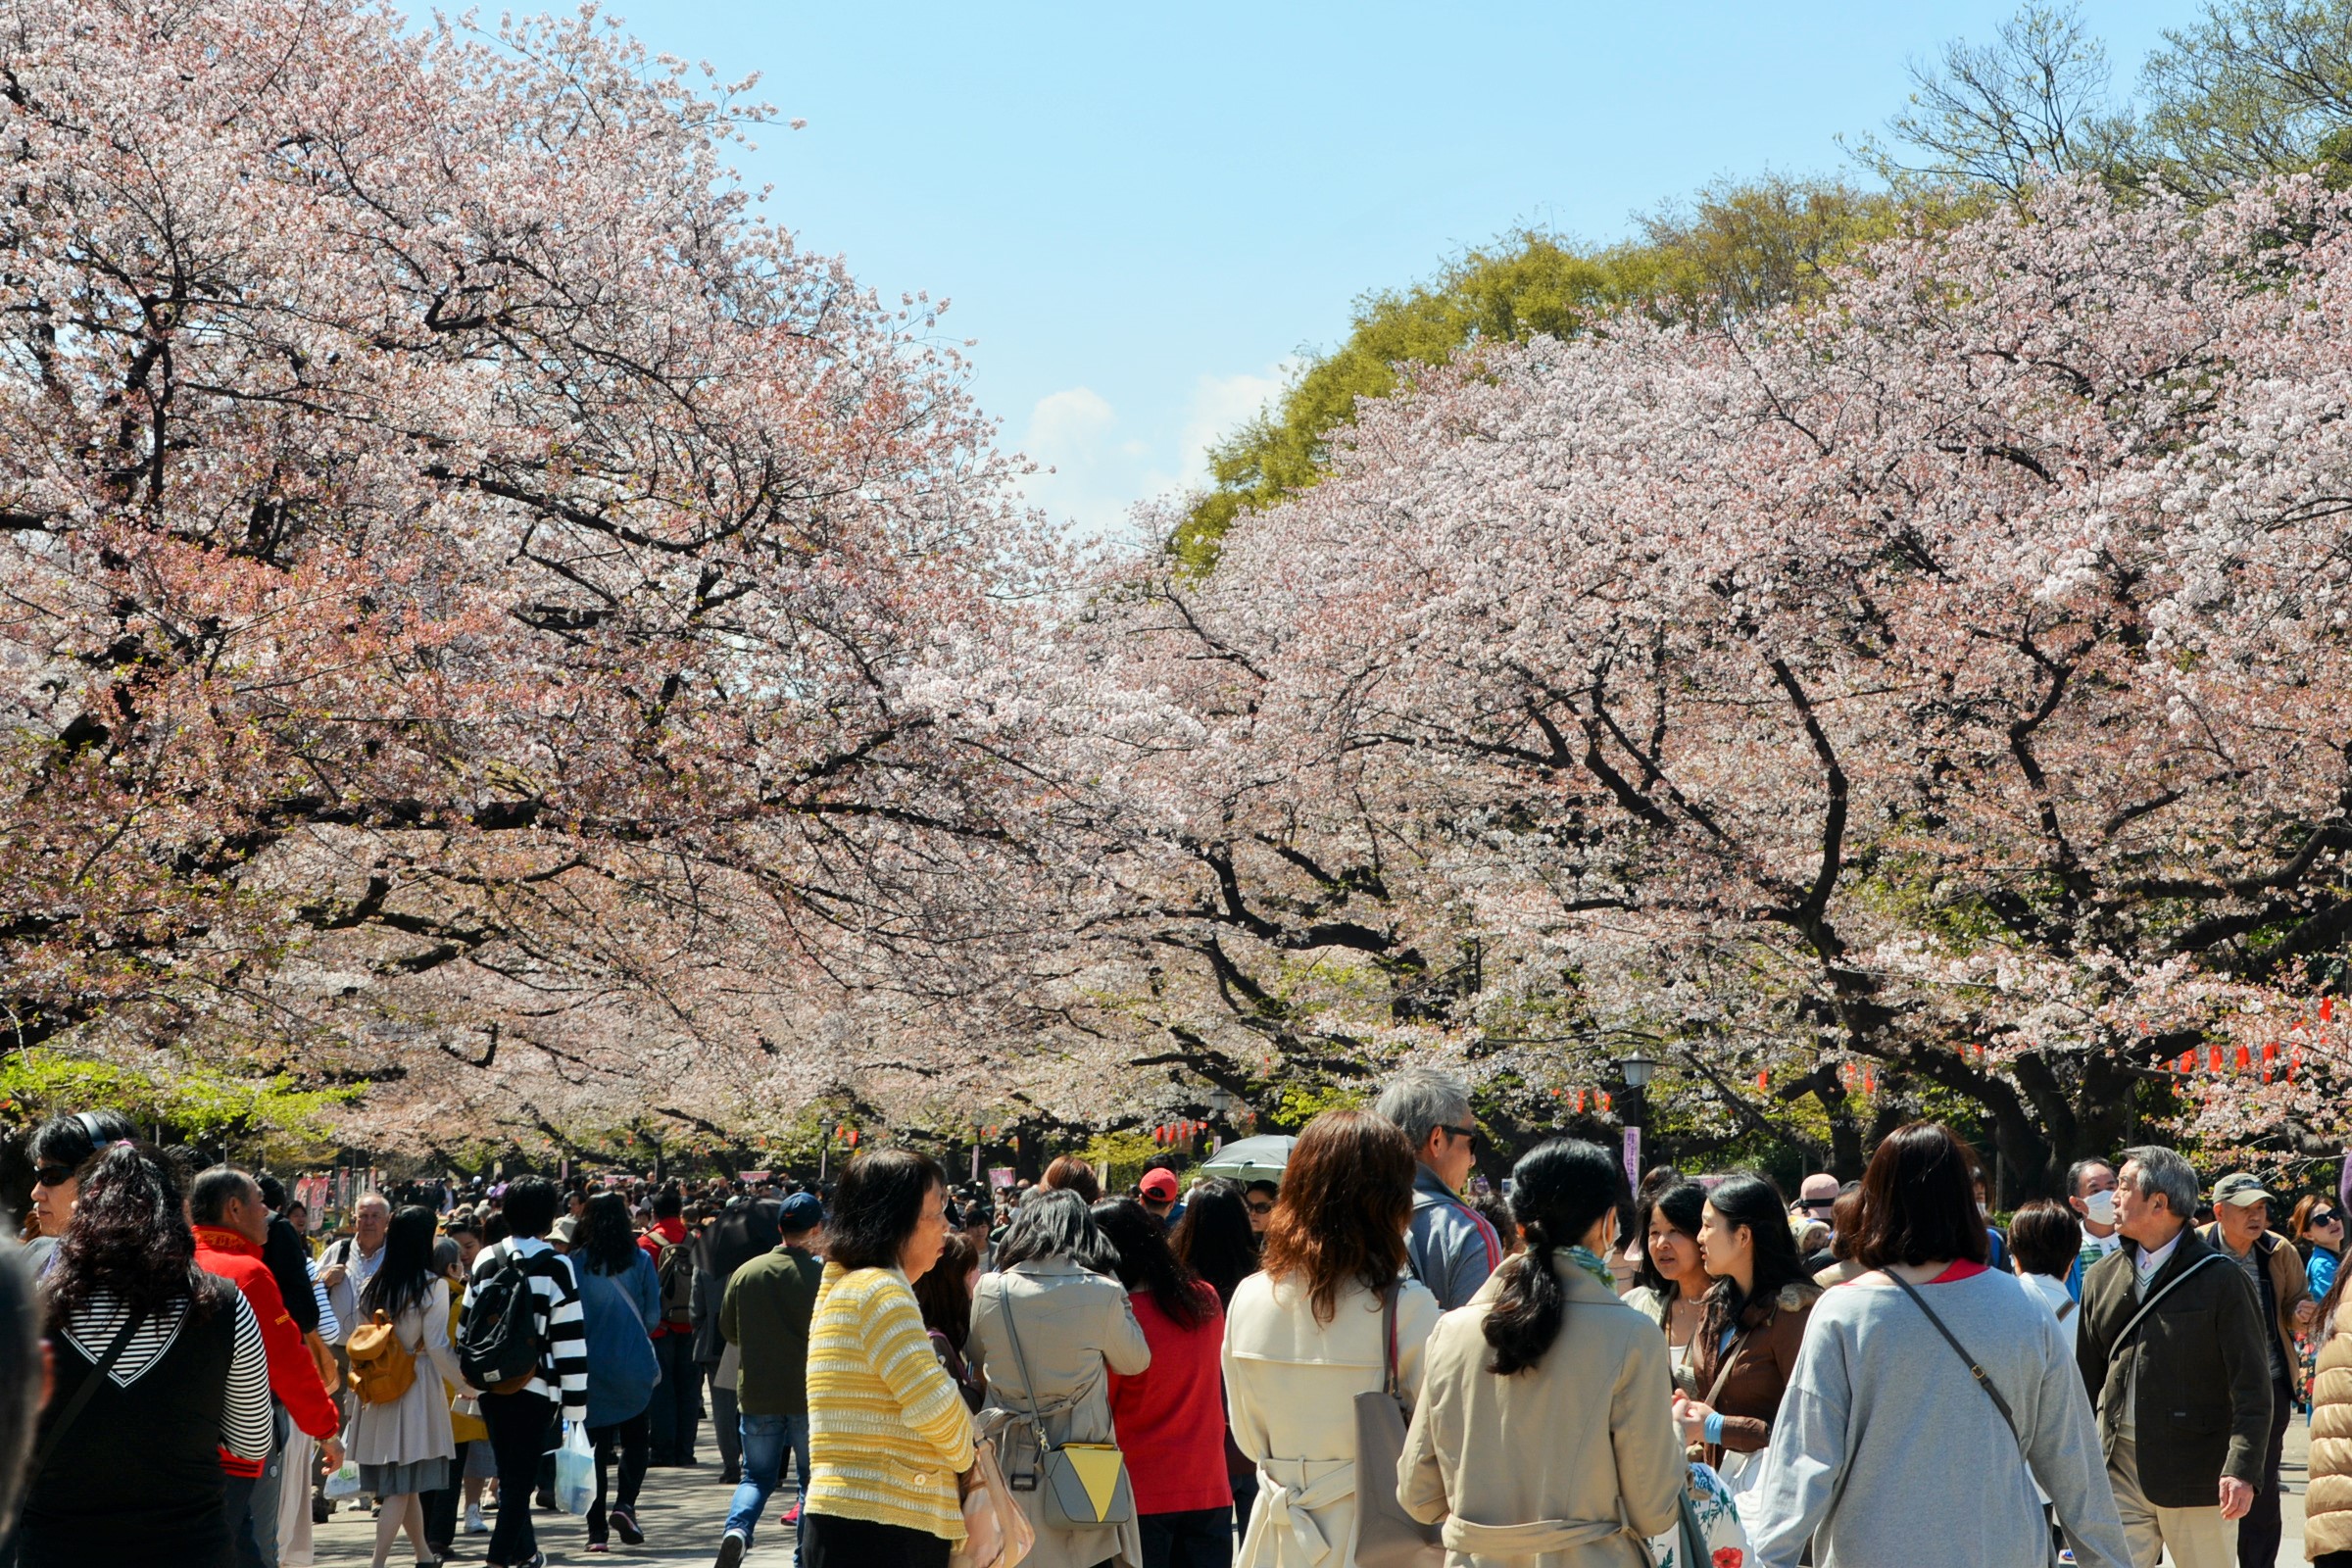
(1119, 1157)
(1735, 249)
(192, 1101)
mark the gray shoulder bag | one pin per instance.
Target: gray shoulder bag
(1386, 1536)
(1079, 1486)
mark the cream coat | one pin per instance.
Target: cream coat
(2328, 1511)
(1291, 1385)
(415, 1427)
(1550, 1467)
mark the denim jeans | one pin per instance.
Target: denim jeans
(764, 1440)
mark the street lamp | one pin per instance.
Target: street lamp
(1636, 1070)
(1221, 1102)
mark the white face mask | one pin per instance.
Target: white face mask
(2099, 1207)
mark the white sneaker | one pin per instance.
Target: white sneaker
(474, 1524)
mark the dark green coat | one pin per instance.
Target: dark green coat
(2204, 1406)
(766, 1315)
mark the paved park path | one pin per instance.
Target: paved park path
(681, 1512)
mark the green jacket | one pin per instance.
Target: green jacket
(2203, 1409)
(766, 1315)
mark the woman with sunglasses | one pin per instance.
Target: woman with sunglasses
(60, 1146)
(2317, 1232)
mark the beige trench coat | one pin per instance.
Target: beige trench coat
(1073, 1325)
(1559, 1466)
(1291, 1385)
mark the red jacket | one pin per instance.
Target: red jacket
(1174, 1412)
(673, 1232)
(293, 1375)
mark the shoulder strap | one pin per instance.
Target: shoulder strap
(82, 1395)
(1731, 1354)
(2149, 1306)
(1983, 1380)
(2065, 1311)
(1037, 1420)
(1387, 1332)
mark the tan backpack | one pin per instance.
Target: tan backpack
(382, 1369)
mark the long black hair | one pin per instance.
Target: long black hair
(405, 1274)
(1214, 1239)
(607, 1240)
(1755, 1202)
(1145, 1265)
(1558, 1191)
(129, 1238)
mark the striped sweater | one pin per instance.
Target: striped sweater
(888, 1432)
(563, 1373)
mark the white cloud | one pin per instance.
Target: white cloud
(1221, 403)
(1105, 464)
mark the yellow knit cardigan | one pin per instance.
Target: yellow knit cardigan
(888, 1432)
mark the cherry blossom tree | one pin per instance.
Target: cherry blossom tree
(1935, 696)
(463, 576)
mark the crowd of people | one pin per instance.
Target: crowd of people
(1373, 1358)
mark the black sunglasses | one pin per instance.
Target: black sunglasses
(1470, 1133)
(2325, 1216)
(52, 1175)
(1261, 1209)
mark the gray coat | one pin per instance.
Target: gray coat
(1075, 1327)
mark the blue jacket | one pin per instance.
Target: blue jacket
(621, 1369)
(1451, 1249)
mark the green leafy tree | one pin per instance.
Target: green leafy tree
(2258, 88)
(1733, 249)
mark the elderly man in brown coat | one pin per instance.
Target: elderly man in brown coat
(2241, 1232)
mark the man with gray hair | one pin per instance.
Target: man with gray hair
(2172, 1351)
(1452, 1246)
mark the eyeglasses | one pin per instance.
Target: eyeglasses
(2326, 1216)
(1458, 1132)
(1261, 1209)
(52, 1175)
(1817, 1202)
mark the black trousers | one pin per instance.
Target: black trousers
(518, 1424)
(677, 1399)
(1196, 1537)
(2260, 1531)
(861, 1544)
(441, 1506)
(632, 1441)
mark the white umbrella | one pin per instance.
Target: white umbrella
(1251, 1159)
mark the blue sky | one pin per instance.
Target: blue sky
(1142, 211)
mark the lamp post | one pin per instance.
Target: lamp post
(1636, 1070)
(1220, 1106)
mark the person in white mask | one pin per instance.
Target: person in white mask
(2091, 1194)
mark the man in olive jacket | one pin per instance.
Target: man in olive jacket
(764, 1314)
(2171, 1353)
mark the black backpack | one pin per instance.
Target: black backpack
(674, 1269)
(498, 1333)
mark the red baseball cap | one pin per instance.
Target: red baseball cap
(1159, 1184)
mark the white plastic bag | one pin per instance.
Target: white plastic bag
(575, 1470)
(343, 1480)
